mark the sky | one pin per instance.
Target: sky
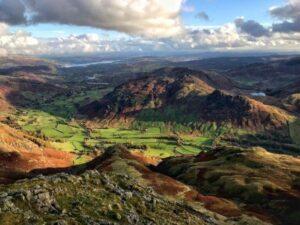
(58, 27)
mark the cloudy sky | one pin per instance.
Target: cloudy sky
(92, 26)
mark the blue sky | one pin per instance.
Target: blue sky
(219, 11)
(225, 11)
(148, 25)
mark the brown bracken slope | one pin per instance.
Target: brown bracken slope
(21, 153)
(196, 94)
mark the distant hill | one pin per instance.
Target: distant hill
(162, 87)
(242, 111)
(191, 93)
(267, 75)
(23, 61)
(22, 78)
(287, 90)
(222, 63)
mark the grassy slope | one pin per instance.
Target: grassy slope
(73, 137)
(295, 131)
(116, 189)
(20, 153)
(66, 105)
(61, 133)
(267, 182)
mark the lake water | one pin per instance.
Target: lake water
(89, 64)
(258, 94)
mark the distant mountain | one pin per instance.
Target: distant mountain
(267, 75)
(191, 93)
(222, 63)
(287, 90)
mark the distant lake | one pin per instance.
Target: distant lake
(89, 64)
(258, 94)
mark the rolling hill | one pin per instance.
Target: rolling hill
(188, 92)
(263, 181)
(116, 188)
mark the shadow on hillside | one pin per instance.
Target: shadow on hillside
(26, 69)
(7, 177)
(37, 95)
(272, 141)
(39, 90)
(98, 163)
(295, 131)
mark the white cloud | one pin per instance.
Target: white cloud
(202, 16)
(251, 27)
(229, 37)
(290, 14)
(18, 42)
(149, 18)
(226, 37)
(21, 42)
(149, 25)
(88, 43)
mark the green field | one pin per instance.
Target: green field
(66, 106)
(73, 137)
(152, 141)
(52, 120)
(64, 135)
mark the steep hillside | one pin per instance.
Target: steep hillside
(116, 188)
(21, 88)
(149, 93)
(242, 112)
(21, 153)
(186, 94)
(211, 78)
(273, 74)
(18, 61)
(267, 183)
(293, 101)
(16, 89)
(287, 90)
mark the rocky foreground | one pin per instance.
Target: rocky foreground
(116, 188)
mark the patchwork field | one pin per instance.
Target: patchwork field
(52, 120)
(153, 141)
(64, 135)
(73, 137)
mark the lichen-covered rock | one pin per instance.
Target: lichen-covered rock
(107, 194)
